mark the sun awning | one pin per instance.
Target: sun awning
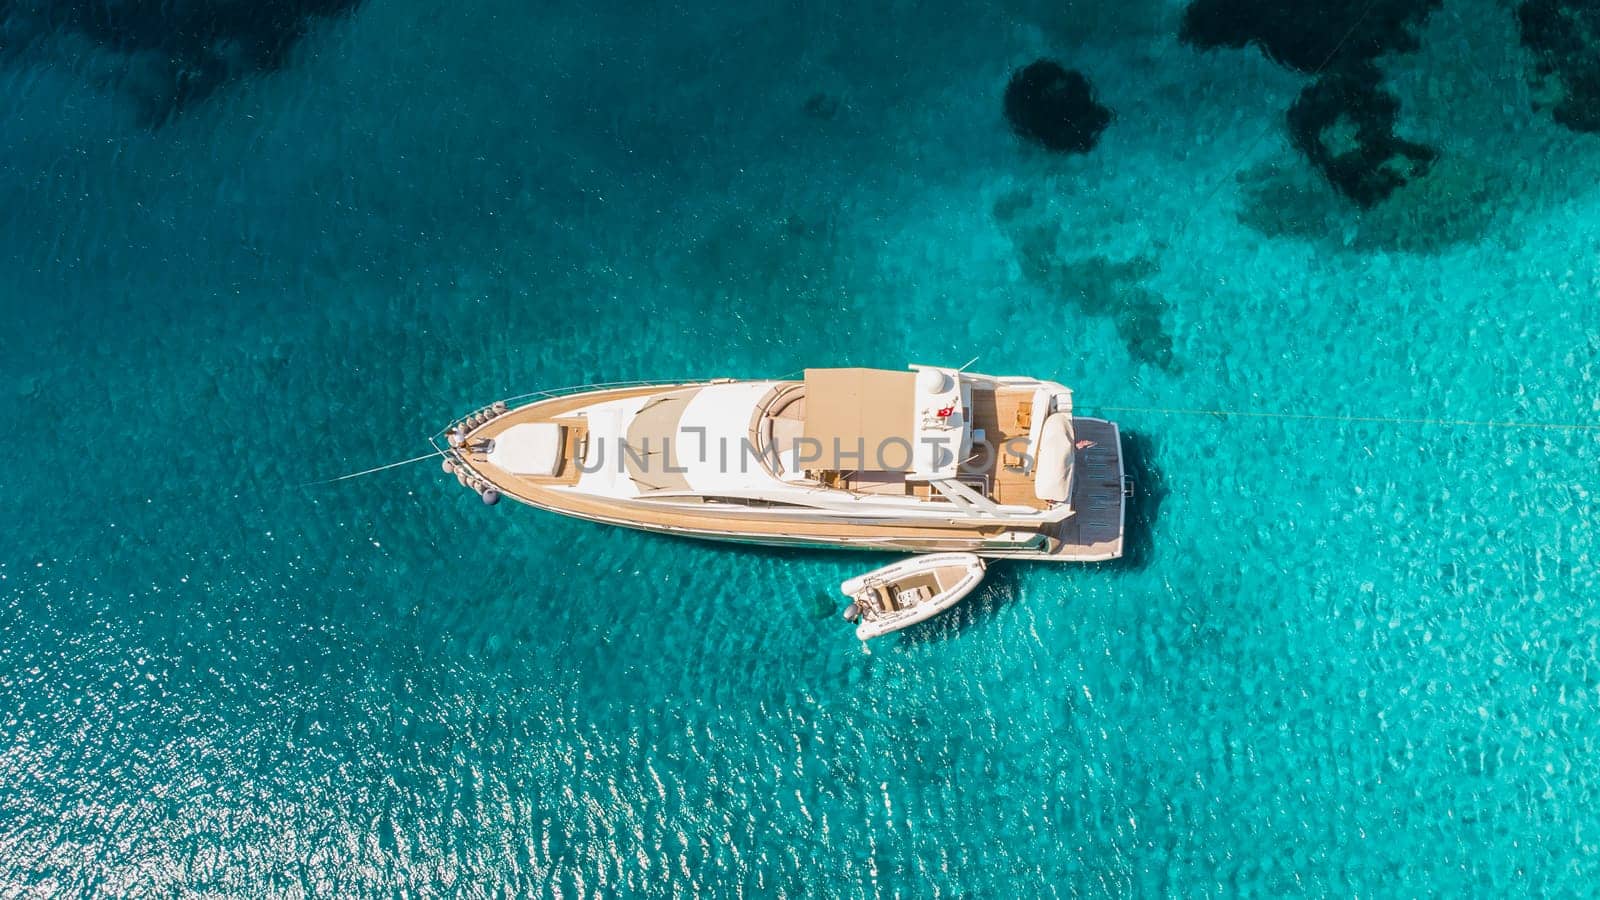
(654, 443)
(851, 412)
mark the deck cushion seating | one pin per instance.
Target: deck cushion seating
(1053, 456)
(785, 432)
(1038, 411)
(531, 448)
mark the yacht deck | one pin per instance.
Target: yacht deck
(1003, 415)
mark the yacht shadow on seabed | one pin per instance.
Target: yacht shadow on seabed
(1150, 490)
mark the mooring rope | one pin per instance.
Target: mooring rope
(1375, 420)
(393, 465)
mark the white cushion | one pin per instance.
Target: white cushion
(1039, 410)
(1053, 454)
(784, 434)
(531, 448)
(604, 441)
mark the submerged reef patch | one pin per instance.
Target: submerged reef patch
(173, 53)
(1054, 107)
(1564, 41)
(1344, 125)
(821, 106)
(1095, 285)
(1343, 122)
(1455, 203)
(1307, 37)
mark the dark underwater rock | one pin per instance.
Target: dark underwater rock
(1055, 107)
(1344, 124)
(1564, 41)
(821, 106)
(1307, 36)
(1150, 490)
(181, 50)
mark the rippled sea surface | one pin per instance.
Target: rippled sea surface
(1353, 658)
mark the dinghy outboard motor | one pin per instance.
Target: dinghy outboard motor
(852, 612)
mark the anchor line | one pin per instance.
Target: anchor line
(393, 465)
(1374, 420)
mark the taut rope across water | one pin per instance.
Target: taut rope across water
(393, 465)
(1378, 420)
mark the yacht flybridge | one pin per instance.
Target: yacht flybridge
(925, 460)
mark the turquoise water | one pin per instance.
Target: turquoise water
(1353, 659)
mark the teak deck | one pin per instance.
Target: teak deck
(1093, 533)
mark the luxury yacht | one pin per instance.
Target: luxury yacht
(925, 460)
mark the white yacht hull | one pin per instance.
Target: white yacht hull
(496, 450)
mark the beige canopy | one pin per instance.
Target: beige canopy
(853, 411)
